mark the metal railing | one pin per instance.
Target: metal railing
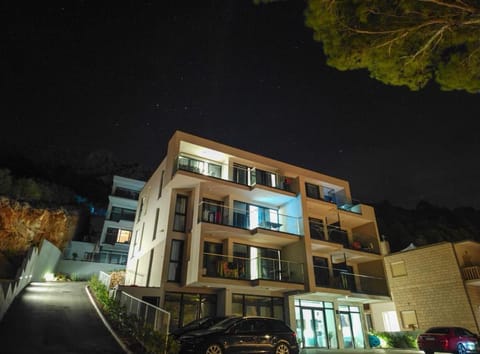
(105, 257)
(249, 177)
(222, 266)
(339, 278)
(264, 218)
(155, 317)
(105, 279)
(471, 273)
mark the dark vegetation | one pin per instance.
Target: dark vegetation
(137, 336)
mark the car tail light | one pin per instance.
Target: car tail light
(444, 343)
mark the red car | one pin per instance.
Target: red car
(448, 340)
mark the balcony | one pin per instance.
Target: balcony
(259, 268)
(343, 280)
(471, 274)
(251, 177)
(250, 218)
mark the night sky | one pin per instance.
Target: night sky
(123, 76)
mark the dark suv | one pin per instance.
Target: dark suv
(242, 335)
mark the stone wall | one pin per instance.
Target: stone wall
(427, 287)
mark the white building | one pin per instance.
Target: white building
(223, 231)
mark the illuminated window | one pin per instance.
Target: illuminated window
(115, 235)
(398, 269)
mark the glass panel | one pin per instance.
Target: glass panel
(237, 305)
(320, 331)
(240, 215)
(331, 332)
(172, 305)
(312, 190)
(214, 170)
(357, 330)
(240, 174)
(346, 330)
(308, 328)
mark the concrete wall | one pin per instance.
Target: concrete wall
(39, 260)
(78, 270)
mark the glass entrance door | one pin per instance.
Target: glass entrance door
(351, 324)
(314, 328)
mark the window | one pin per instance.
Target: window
(141, 237)
(118, 214)
(312, 190)
(250, 216)
(251, 305)
(212, 211)
(180, 220)
(161, 185)
(398, 269)
(156, 224)
(316, 229)
(115, 235)
(240, 174)
(185, 308)
(265, 178)
(140, 208)
(175, 265)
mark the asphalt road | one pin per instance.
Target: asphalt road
(55, 317)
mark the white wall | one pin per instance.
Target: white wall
(78, 270)
(377, 311)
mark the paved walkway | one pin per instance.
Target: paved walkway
(55, 317)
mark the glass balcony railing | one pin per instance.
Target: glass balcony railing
(105, 257)
(259, 268)
(251, 217)
(345, 280)
(241, 175)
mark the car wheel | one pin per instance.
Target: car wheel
(213, 349)
(282, 348)
(461, 349)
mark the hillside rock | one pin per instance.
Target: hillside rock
(23, 226)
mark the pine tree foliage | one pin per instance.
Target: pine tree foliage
(402, 42)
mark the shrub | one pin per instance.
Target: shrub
(130, 326)
(398, 339)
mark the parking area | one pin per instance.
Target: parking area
(362, 351)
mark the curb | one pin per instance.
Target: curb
(119, 341)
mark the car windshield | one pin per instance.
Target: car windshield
(226, 323)
(196, 323)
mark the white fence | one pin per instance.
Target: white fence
(158, 319)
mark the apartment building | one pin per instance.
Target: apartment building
(221, 231)
(117, 228)
(436, 285)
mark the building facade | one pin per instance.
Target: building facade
(436, 285)
(117, 229)
(82, 259)
(222, 231)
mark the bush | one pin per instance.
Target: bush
(130, 326)
(401, 340)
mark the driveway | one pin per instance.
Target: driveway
(55, 317)
(361, 351)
